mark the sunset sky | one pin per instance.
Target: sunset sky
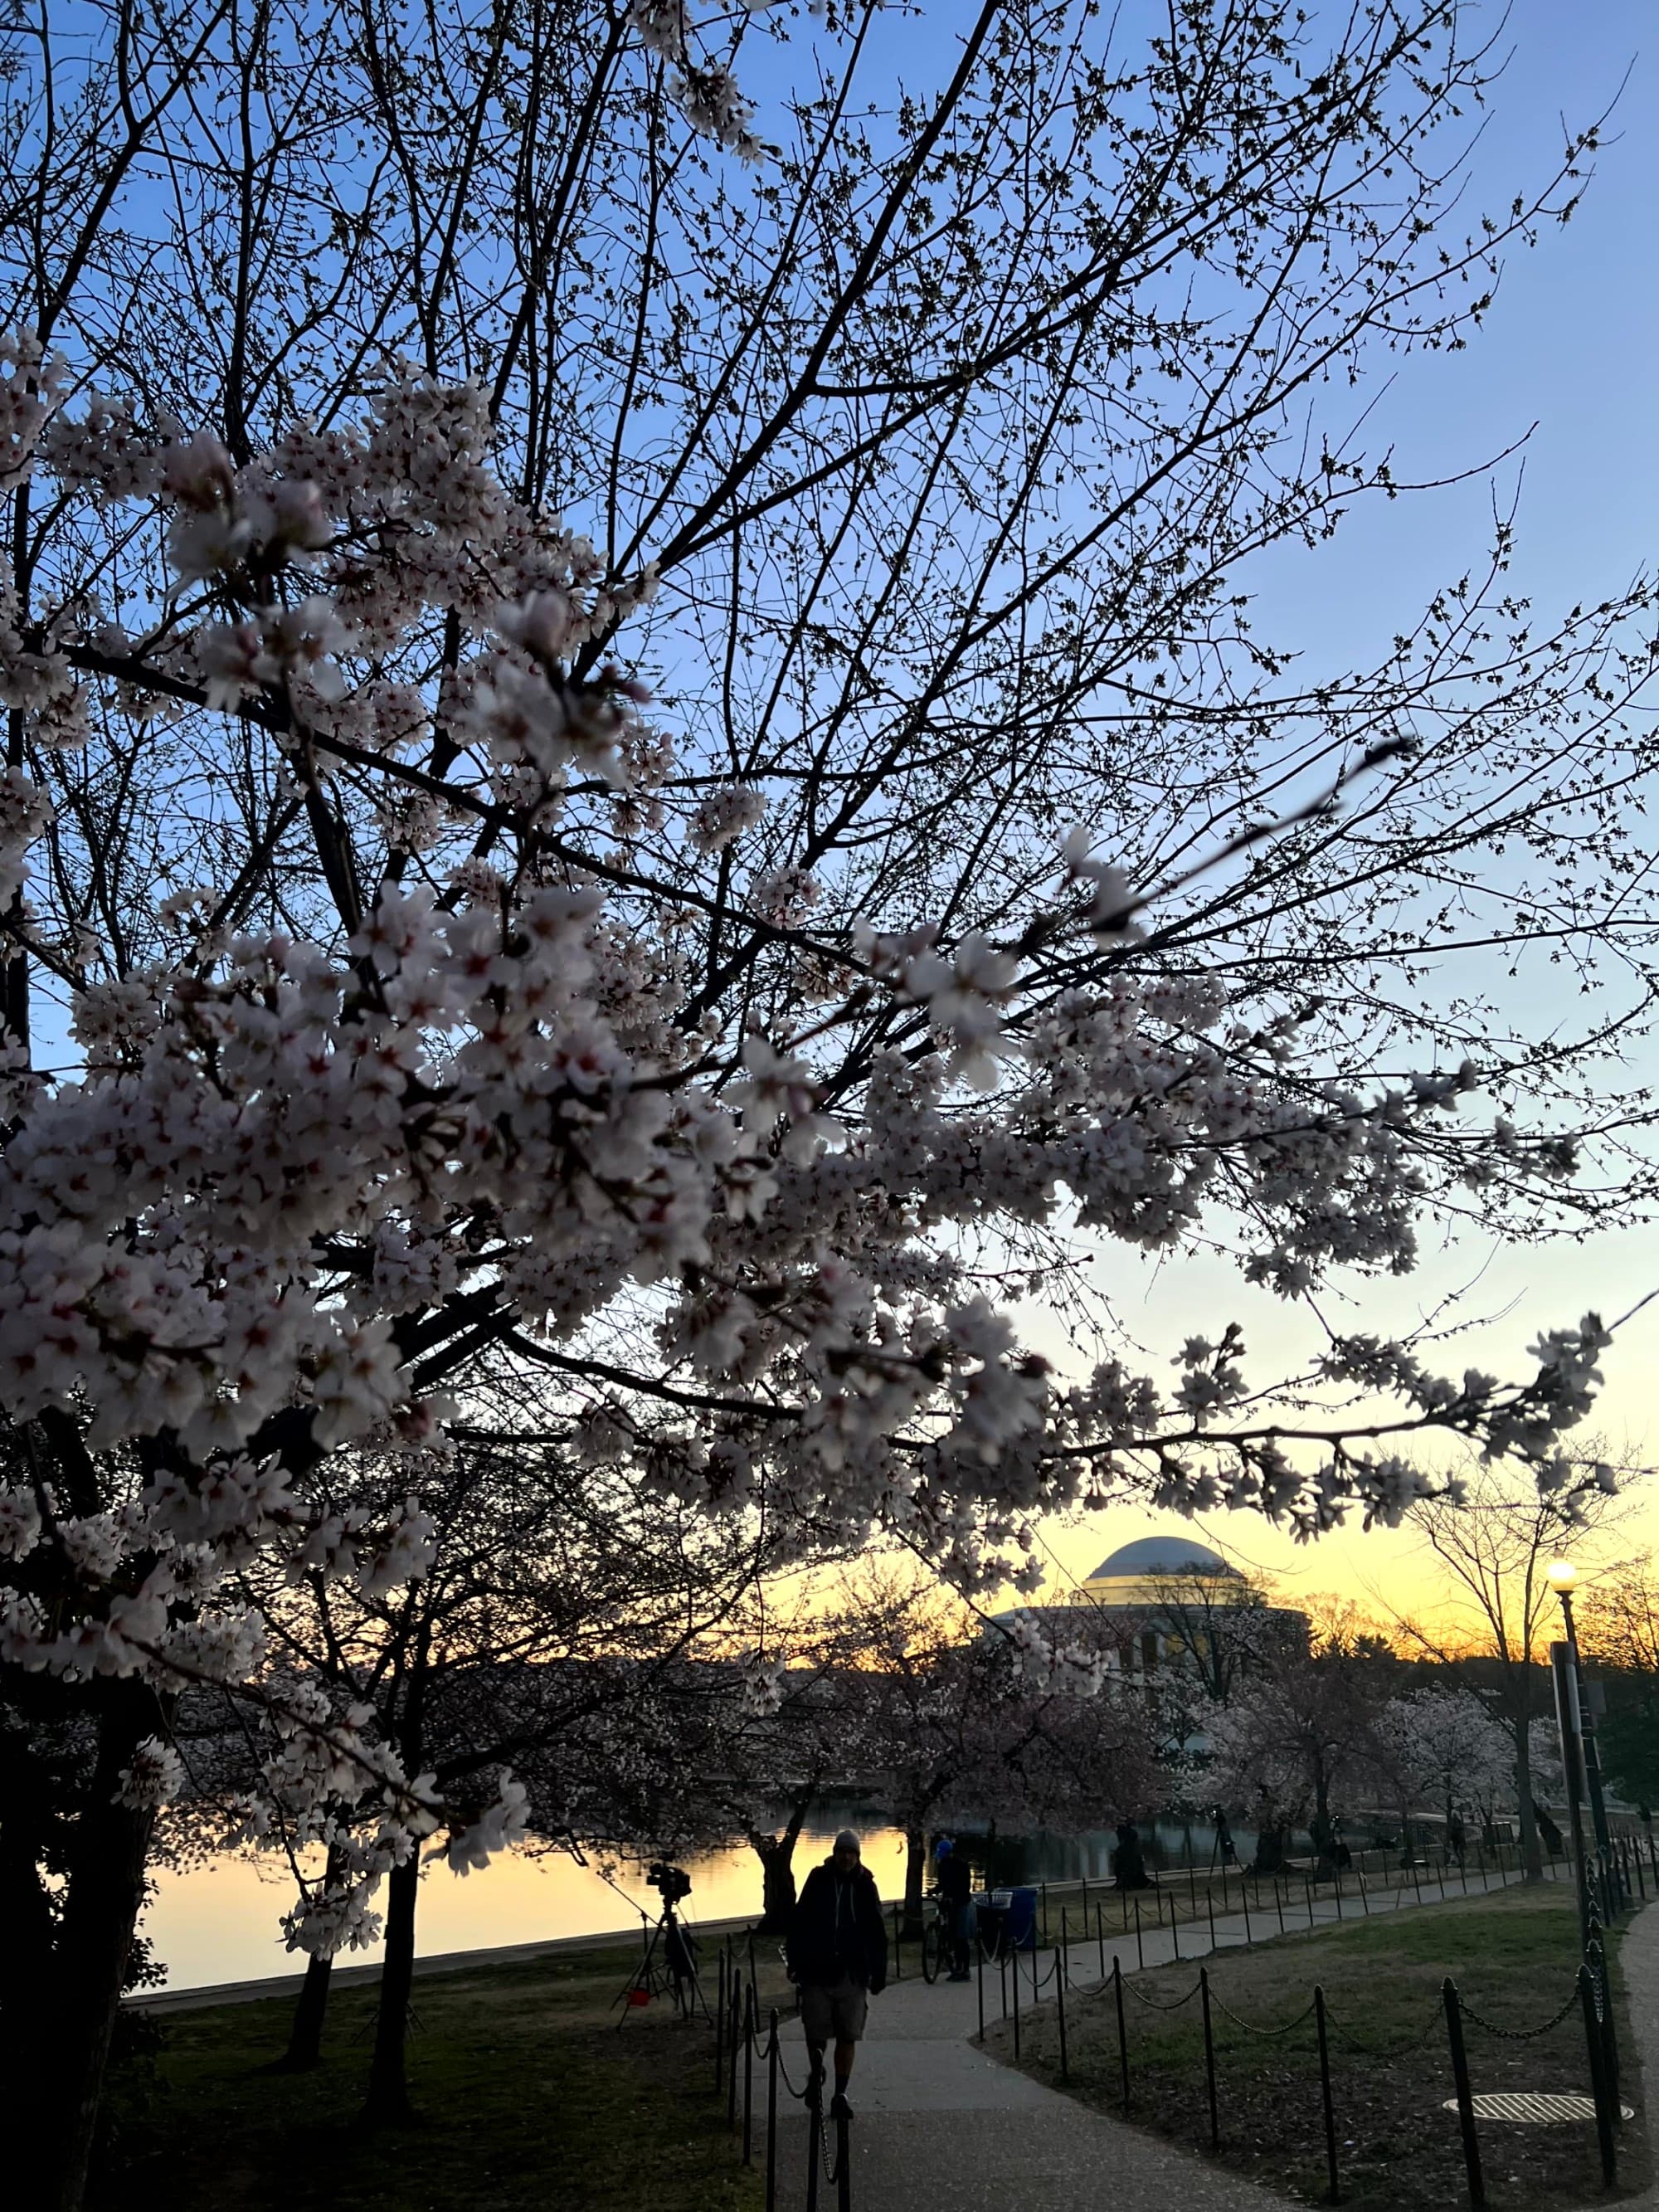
(1571, 346)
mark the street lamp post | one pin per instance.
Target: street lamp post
(1579, 1747)
(1563, 1579)
(1566, 1721)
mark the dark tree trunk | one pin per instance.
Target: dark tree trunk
(1269, 1850)
(776, 1856)
(101, 1904)
(1324, 1839)
(1532, 1858)
(915, 1861)
(27, 1961)
(305, 2037)
(388, 2079)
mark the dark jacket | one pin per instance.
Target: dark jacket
(955, 1880)
(838, 1930)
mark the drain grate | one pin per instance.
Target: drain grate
(1552, 2108)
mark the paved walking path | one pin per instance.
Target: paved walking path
(941, 2127)
(1638, 1969)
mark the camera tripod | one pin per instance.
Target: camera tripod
(675, 1970)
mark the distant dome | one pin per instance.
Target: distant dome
(1162, 1555)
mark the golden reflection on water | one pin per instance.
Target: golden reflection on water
(219, 1922)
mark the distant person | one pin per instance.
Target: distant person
(953, 1879)
(1129, 1859)
(837, 1957)
(1554, 1841)
(1224, 1835)
(1456, 1839)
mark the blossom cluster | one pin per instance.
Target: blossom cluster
(303, 1169)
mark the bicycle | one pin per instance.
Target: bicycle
(935, 1942)
(939, 1948)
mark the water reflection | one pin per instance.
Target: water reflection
(218, 1923)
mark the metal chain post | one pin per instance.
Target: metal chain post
(734, 2001)
(1140, 1955)
(1597, 1961)
(1059, 2010)
(720, 2029)
(772, 2057)
(1599, 2085)
(814, 2141)
(1100, 1938)
(1016, 1978)
(1465, 2099)
(843, 2167)
(1209, 2056)
(1325, 2091)
(979, 1978)
(1122, 2033)
(751, 2023)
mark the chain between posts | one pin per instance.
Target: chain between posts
(1522, 2034)
(1590, 1989)
(1266, 2033)
(737, 2021)
(1152, 2004)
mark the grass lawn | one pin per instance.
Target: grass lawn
(1187, 1897)
(1513, 1956)
(529, 2100)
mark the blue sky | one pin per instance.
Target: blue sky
(1570, 348)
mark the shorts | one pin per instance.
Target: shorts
(834, 2014)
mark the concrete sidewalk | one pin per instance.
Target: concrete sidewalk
(941, 2127)
(1638, 1969)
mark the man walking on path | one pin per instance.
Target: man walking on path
(837, 1955)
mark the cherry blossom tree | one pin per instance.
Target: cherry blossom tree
(548, 1640)
(1444, 1745)
(953, 1721)
(393, 403)
(1497, 1607)
(1297, 1738)
(1621, 1631)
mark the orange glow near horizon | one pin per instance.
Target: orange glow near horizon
(1388, 1573)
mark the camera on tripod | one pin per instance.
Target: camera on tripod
(671, 1883)
(678, 1968)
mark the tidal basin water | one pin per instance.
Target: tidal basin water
(220, 1922)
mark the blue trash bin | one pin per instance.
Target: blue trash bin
(1022, 1919)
